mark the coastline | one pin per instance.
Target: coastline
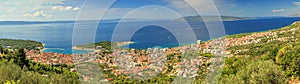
(43, 47)
(81, 48)
(52, 50)
(118, 44)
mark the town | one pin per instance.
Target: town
(182, 61)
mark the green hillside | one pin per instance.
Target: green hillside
(15, 68)
(28, 44)
(273, 58)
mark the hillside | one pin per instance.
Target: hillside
(17, 68)
(277, 51)
(27, 44)
(260, 57)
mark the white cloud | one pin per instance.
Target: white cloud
(65, 8)
(278, 10)
(297, 3)
(37, 14)
(58, 8)
(68, 7)
(29, 9)
(27, 15)
(76, 8)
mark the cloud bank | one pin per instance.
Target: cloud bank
(278, 10)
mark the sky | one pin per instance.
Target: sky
(57, 10)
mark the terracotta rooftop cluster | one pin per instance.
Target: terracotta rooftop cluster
(49, 58)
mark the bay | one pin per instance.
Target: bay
(58, 35)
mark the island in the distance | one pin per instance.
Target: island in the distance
(214, 18)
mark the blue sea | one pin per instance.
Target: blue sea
(58, 35)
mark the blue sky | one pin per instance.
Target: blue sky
(43, 10)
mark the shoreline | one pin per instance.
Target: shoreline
(44, 48)
(118, 44)
(80, 48)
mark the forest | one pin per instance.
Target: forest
(14, 44)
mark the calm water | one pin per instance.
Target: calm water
(58, 35)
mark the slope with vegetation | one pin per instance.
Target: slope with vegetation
(274, 59)
(15, 68)
(27, 44)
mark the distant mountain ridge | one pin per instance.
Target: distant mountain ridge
(214, 18)
(188, 18)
